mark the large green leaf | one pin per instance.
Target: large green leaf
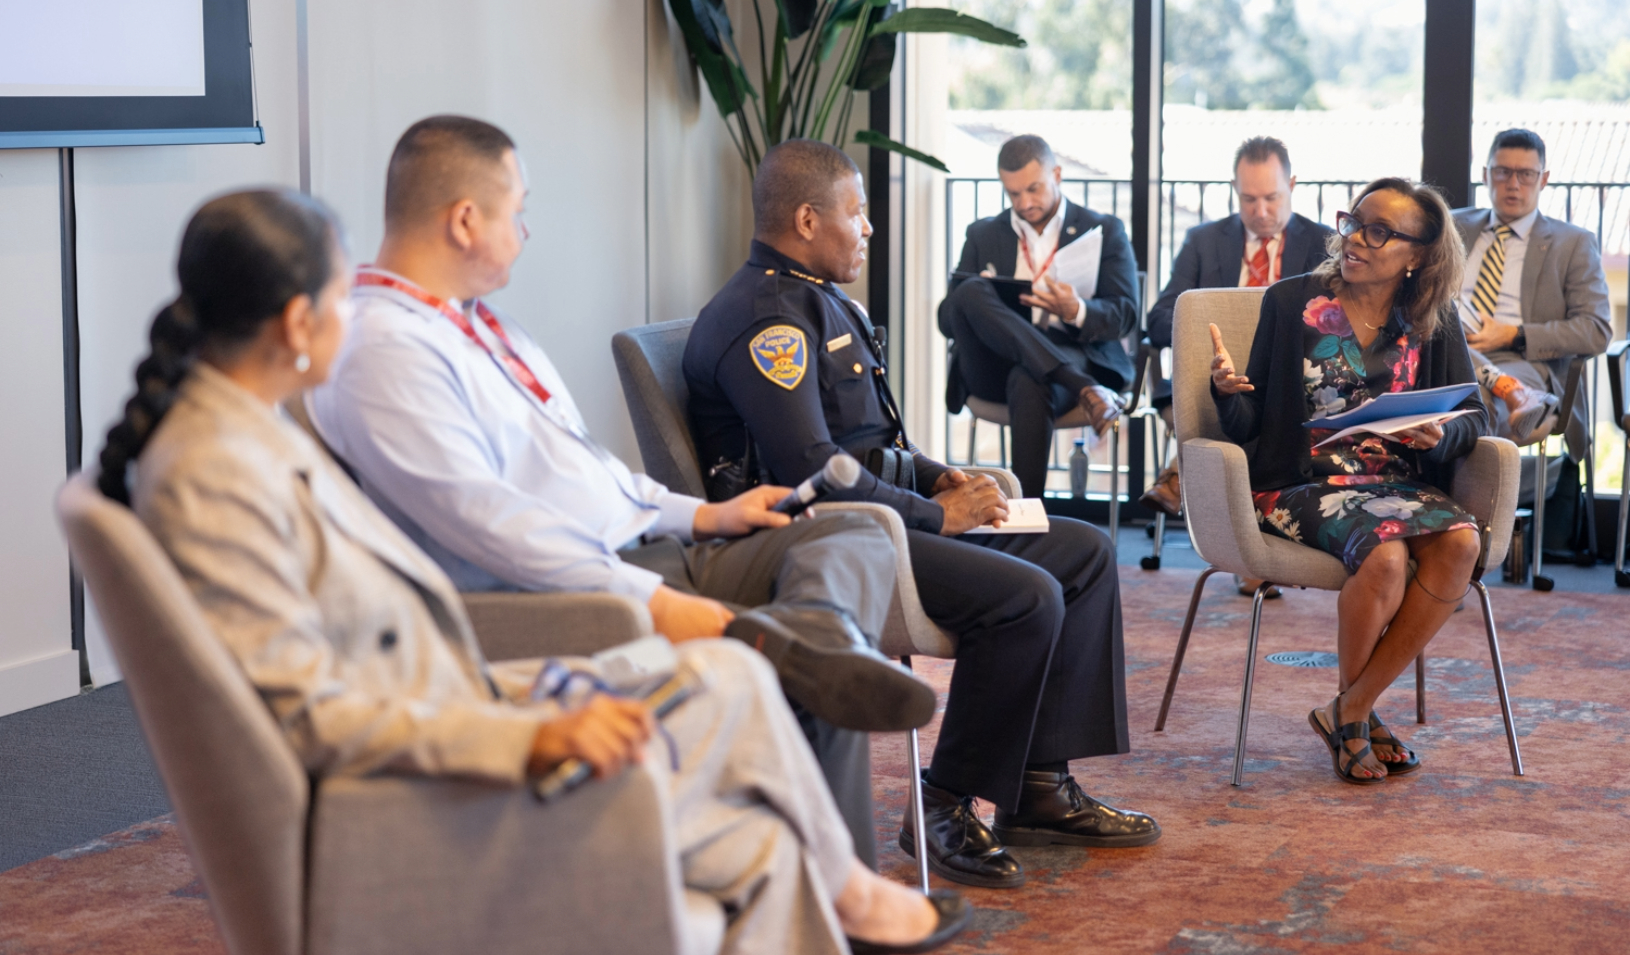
(845, 14)
(797, 16)
(940, 20)
(875, 139)
(706, 29)
(877, 56)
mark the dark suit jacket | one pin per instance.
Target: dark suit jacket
(1112, 312)
(1210, 258)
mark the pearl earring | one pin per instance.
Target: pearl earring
(302, 363)
(1408, 274)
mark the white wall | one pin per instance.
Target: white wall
(571, 82)
(36, 663)
(567, 82)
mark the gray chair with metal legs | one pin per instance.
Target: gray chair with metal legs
(997, 413)
(1572, 381)
(1618, 363)
(1222, 522)
(649, 363)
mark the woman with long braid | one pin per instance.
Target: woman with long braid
(359, 643)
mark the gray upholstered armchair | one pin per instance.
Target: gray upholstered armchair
(649, 362)
(1222, 520)
(388, 864)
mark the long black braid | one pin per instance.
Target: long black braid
(243, 258)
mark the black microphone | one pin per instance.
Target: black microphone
(839, 474)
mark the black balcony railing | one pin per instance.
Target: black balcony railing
(1601, 207)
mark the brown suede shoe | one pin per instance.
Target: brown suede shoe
(1101, 405)
(1528, 409)
(1166, 494)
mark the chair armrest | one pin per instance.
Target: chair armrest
(406, 865)
(514, 626)
(1218, 485)
(908, 630)
(1618, 356)
(1005, 479)
(1485, 485)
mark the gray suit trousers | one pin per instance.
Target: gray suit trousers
(834, 561)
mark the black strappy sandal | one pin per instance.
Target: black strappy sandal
(1380, 735)
(1337, 739)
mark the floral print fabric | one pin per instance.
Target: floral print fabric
(1364, 493)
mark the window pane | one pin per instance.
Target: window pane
(1340, 85)
(1562, 70)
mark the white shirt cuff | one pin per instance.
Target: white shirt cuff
(676, 514)
(1080, 313)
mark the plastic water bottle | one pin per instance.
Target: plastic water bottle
(1078, 470)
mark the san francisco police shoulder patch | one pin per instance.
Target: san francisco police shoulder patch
(781, 354)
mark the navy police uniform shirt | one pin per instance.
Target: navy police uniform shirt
(788, 358)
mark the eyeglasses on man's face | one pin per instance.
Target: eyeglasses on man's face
(1373, 235)
(1505, 173)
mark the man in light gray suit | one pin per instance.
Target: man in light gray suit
(1533, 298)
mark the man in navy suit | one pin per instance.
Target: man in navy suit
(1067, 351)
(1256, 246)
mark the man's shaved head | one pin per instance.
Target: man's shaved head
(791, 174)
(439, 161)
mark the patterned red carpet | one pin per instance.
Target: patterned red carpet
(1459, 857)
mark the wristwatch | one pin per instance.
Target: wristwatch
(1520, 343)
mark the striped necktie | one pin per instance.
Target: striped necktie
(1258, 266)
(1491, 273)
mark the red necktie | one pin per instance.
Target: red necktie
(1259, 266)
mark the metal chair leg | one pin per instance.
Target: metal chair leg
(973, 440)
(1115, 483)
(1182, 647)
(1541, 582)
(918, 823)
(1250, 678)
(1499, 678)
(1621, 578)
(1420, 688)
(1001, 434)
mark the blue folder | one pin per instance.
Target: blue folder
(1397, 405)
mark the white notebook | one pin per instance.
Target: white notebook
(1025, 515)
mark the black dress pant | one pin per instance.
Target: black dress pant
(1040, 669)
(1002, 357)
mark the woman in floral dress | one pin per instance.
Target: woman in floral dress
(1377, 317)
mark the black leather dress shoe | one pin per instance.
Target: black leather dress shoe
(960, 846)
(1054, 811)
(835, 674)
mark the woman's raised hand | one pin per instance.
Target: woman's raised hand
(1222, 368)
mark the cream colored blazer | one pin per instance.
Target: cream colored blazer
(356, 640)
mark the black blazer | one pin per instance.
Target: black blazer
(1112, 312)
(1272, 415)
(1211, 256)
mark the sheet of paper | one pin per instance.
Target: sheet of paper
(1077, 263)
(1025, 515)
(1388, 426)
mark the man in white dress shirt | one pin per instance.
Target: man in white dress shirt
(460, 428)
(1533, 296)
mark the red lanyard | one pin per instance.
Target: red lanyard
(509, 359)
(1035, 273)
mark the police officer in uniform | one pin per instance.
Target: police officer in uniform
(784, 371)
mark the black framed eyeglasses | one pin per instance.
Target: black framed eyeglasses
(1374, 235)
(1525, 176)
